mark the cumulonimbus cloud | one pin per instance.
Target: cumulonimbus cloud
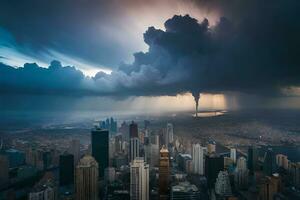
(255, 51)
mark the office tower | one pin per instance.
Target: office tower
(113, 126)
(198, 159)
(228, 162)
(46, 159)
(66, 169)
(222, 186)
(4, 172)
(185, 190)
(282, 161)
(169, 134)
(139, 179)
(211, 147)
(154, 150)
(252, 159)
(294, 171)
(87, 179)
(124, 130)
(74, 149)
(269, 165)
(164, 173)
(134, 145)
(118, 144)
(147, 150)
(241, 174)
(233, 155)
(213, 164)
(133, 130)
(134, 148)
(100, 149)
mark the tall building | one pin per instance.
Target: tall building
(164, 173)
(282, 161)
(269, 165)
(233, 155)
(269, 186)
(134, 145)
(169, 134)
(133, 130)
(252, 159)
(139, 179)
(66, 169)
(87, 179)
(294, 171)
(100, 149)
(74, 149)
(154, 149)
(183, 191)
(213, 165)
(4, 172)
(198, 159)
(241, 174)
(222, 186)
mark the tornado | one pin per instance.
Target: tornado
(196, 96)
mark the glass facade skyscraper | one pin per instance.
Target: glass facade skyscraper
(100, 148)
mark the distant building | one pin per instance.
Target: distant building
(164, 173)
(241, 174)
(133, 130)
(4, 172)
(252, 159)
(184, 191)
(233, 155)
(87, 179)
(269, 186)
(66, 169)
(169, 134)
(294, 171)
(213, 165)
(198, 159)
(222, 186)
(269, 165)
(139, 179)
(100, 149)
(282, 161)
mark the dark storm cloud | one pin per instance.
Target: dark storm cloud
(252, 49)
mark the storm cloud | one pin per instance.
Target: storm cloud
(252, 48)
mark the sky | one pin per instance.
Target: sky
(140, 55)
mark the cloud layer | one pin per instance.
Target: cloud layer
(253, 49)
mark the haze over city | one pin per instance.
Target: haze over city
(154, 99)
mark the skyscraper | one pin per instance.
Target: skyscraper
(213, 164)
(233, 155)
(133, 130)
(282, 161)
(198, 159)
(4, 172)
(134, 145)
(222, 186)
(100, 149)
(134, 148)
(139, 179)
(241, 174)
(269, 165)
(87, 179)
(169, 134)
(252, 159)
(66, 169)
(164, 173)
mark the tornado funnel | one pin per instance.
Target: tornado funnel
(196, 96)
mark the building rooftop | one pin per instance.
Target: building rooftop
(184, 187)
